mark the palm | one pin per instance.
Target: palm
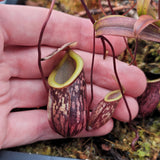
(20, 80)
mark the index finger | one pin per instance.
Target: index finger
(21, 25)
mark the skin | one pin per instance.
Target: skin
(20, 81)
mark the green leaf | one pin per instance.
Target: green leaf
(144, 8)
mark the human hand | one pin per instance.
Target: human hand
(20, 80)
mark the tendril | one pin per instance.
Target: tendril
(39, 45)
(110, 6)
(114, 60)
(135, 51)
(117, 77)
(88, 12)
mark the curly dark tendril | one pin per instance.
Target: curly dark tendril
(39, 46)
(103, 39)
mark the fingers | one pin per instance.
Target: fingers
(23, 61)
(26, 28)
(121, 113)
(132, 79)
(3, 125)
(30, 126)
(26, 127)
(32, 94)
(27, 93)
(1, 42)
(105, 129)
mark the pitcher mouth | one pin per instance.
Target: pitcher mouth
(113, 96)
(67, 71)
(154, 80)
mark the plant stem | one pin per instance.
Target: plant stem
(117, 77)
(39, 45)
(135, 139)
(159, 9)
(101, 7)
(130, 9)
(93, 57)
(91, 78)
(104, 48)
(129, 50)
(114, 61)
(135, 51)
(110, 6)
(87, 11)
(92, 65)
